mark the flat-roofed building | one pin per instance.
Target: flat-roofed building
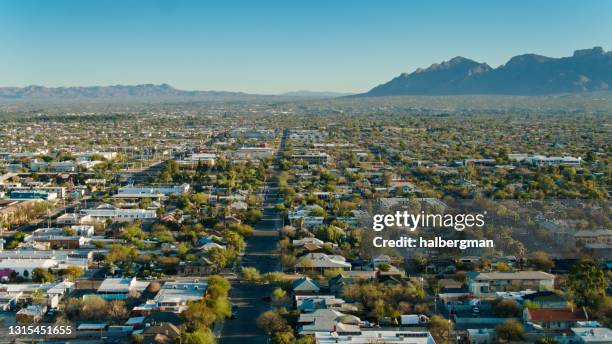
(120, 288)
(174, 295)
(102, 214)
(374, 336)
(488, 283)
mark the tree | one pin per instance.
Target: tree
(218, 257)
(250, 274)
(439, 328)
(115, 310)
(587, 283)
(198, 315)
(541, 260)
(40, 275)
(274, 277)
(546, 340)
(507, 308)
(252, 215)
(305, 340)
(91, 308)
(271, 322)
(279, 294)
(201, 336)
(511, 330)
(218, 287)
(153, 287)
(74, 272)
(283, 337)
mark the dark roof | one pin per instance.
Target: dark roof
(164, 317)
(166, 329)
(544, 296)
(338, 279)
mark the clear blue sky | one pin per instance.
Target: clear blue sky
(277, 46)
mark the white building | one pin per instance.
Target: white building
(107, 212)
(24, 266)
(488, 283)
(144, 191)
(174, 296)
(375, 336)
(322, 262)
(542, 160)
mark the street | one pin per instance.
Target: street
(260, 253)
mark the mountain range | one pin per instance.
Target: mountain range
(528, 74)
(145, 92)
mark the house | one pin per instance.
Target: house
(336, 284)
(310, 157)
(310, 303)
(375, 336)
(174, 295)
(120, 288)
(555, 319)
(31, 314)
(73, 219)
(321, 262)
(305, 286)
(211, 245)
(23, 264)
(488, 283)
(481, 336)
(592, 335)
(163, 333)
(307, 240)
(200, 267)
(32, 194)
(326, 320)
(545, 299)
(585, 237)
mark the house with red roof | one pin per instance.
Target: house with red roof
(556, 319)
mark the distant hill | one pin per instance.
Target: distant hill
(145, 91)
(314, 94)
(529, 74)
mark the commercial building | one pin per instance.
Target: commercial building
(107, 212)
(488, 283)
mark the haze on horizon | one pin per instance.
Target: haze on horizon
(272, 47)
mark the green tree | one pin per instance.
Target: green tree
(201, 336)
(507, 308)
(279, 294)
(40, 275)
(250, 274)
(439, 328)
(587, 283)
(541, 260)
(511, 330)
(546, 340)
(271, 322)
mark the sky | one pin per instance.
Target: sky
(270, 47)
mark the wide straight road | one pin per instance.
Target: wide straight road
(261, 254)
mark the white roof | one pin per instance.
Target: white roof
(376, 336)
(519, 275)
(322, 260)
(593, 334)
(116, 285)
